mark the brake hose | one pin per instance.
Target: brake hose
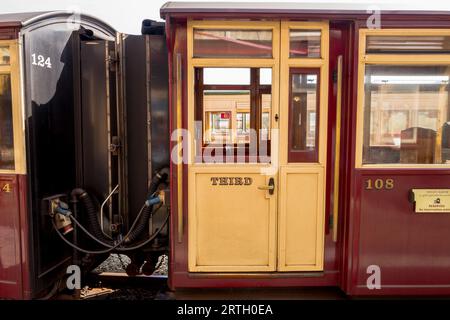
(81, 249)
(134, 233)
(93, 237)
(116, 246)
(149, 239)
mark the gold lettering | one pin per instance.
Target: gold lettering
(231, 181)
(6, 188)
(380, 184)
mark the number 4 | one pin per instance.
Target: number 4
(6, 188)
(48, 63)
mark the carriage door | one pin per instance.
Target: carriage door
(239, 166)
(303, 145)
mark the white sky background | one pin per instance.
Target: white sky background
(126, 15)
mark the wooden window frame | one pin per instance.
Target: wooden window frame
(13, 69)
(193, 63)
(288, 63)
(255, 89)
(365, 59)
(304, 156)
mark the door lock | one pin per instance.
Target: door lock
(270, 187)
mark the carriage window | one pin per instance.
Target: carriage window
(233, 111)
(265, 76)
(408, 44)
(304, 43)
(6, 124)
(304, 115)
(406, 115)
(5, 56)
(215, 43)
(226, 76)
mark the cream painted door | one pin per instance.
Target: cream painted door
(235, 223)
(303, 136)
(232, 222)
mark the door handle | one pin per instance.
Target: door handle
(270, 187)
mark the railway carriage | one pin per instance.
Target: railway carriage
(350, 107)
(66, 81)
(258, 145)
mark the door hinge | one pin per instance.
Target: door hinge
(112, 60)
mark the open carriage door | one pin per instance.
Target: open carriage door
(67, 129)
(143, 83)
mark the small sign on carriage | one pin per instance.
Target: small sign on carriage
(431, 200)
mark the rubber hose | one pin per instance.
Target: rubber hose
(91, 212)
(157, 179)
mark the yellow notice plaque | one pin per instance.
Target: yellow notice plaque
(432, 200)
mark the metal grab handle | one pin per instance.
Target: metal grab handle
(266, 187)
(270, 187)
(179, 140)
(335, 213)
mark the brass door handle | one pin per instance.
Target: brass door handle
(266, 187)
(270, 187)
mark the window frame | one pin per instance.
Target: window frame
(304, 156)
(13, 69)
(255, 92)
(288, 63)
(404, 59)
(193, 63)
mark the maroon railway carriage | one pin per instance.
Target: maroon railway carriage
(38, 81)
(67, 80)
(309, 146)
(351, 109)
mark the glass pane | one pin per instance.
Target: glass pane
(6, 124)
(232, 43)
(303, 117)
(226, 76)
(408, 44)
(5, 56)
(243, 127)
(219, 107)
(265, 76)
(304, 43)
(266, 102)
(233, 115)
(406, 115)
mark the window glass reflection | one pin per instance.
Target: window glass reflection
(406, 115)
(6, 124)
(212, 43)
(303, 117)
